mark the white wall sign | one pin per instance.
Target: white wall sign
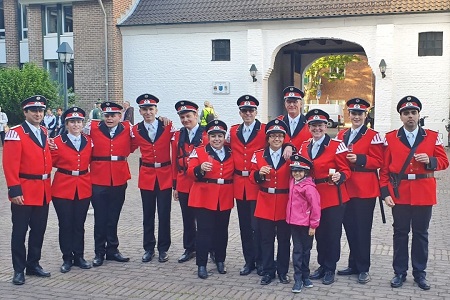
(221, 87)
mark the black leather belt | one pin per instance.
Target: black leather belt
(109, 158)
(155, 165)
(34, 176)
(218, 181)
(242, 173)
(274, 191)
(72, 173)
(417, 176)
(361, 169)
(321, 180)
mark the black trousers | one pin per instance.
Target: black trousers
(328, 237)
(71, 217)
(417, 218)
(269, 229)
(107, 202)
(248, 226)
(189, 225)
(22, 217)
(358, 219)
(212, 233)
(150, 200)
(2, 136)
(302, 251)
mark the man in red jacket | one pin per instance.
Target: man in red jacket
(407, 182)
(27, 164)
(245, 139)
(155, 176)
(109, 175)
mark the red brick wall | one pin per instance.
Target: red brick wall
(11, 32)
(35, 39)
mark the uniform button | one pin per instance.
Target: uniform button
(275, 182)
(245, 154)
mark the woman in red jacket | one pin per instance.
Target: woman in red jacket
(331, 169)
(211, 196)
(71, 187)
(271, 171)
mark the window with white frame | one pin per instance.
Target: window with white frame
(52, 68)
(2, 21)
(51, 19)
(67, 19)
(24, 22)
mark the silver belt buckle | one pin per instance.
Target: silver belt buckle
(220, 181)
(271, 190)
(45, 176)
(157, 165)
(114, 158)
(245, 173)
(411, 176)
(75, 173)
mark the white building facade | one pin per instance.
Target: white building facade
(174, 62)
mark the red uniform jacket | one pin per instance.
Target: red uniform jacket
(211, 195)
(154, 152)
(110, 172)
(23, 154)
(331, 155)
(274, 194)
(300, 134)
(242, 153)
(181, 150)
(368, 147)
(67, 158)
(415, 191)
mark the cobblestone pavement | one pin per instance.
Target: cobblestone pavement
(171, 280)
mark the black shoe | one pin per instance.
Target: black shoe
(187, 255)
(267, 278)
(318, 274)
(297, 288)
(348, 271)
(18, 278)
(260, 270)
(422, 283)
(328, 278)
(398, 280)
(81, 262)
(202, 273)
(98, 260)
(148, 256)
(307, 283)
(66, 266)
(284, 278)
(247, 269)
(221, 268)
(163, 257)
(117, 257)
(37, 271)
(363, 277)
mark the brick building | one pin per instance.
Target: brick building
(33, 30)
(203, 50)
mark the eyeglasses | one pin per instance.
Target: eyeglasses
(276, 136)
(247, 110)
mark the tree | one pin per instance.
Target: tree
(330, 67)
(18, 84)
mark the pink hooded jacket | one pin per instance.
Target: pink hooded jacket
(303, 206)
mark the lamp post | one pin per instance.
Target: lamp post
(65, 56)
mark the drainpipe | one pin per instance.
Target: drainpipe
(106, 50)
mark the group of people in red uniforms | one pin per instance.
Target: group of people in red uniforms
(289, 178)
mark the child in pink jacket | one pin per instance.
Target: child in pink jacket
(303, 213)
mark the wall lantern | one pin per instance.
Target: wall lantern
(382, 68)
(253, 71)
